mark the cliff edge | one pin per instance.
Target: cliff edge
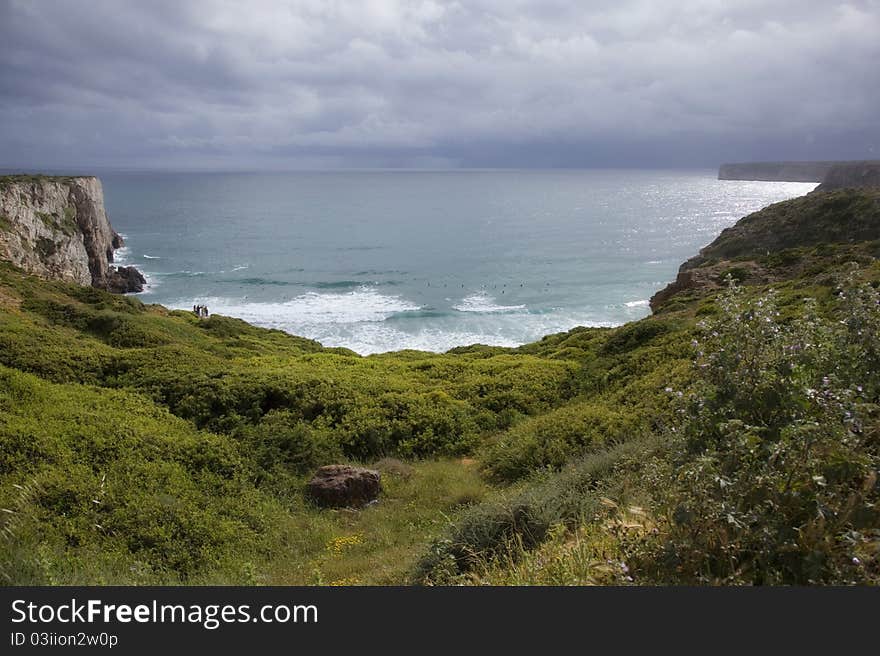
(851, 175)
(797, 171)
(56, 227)
(775, 171)
(782, 241)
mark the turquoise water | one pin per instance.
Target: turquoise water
(386, 260)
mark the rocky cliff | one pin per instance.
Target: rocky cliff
(851, 175)
(56, 228)
(795, 171)
(775, 171)
(783, 241)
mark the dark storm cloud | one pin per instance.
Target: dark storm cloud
(471, 83)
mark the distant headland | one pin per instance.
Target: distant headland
(837, 174)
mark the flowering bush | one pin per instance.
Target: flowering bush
(775, 473)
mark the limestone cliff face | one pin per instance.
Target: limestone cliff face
(57, 228)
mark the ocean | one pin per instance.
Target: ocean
(380, 261)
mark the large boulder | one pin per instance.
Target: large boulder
(339, 486)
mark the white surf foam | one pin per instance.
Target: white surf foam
(642, 303)
(310, 309)
(120, 256)
(449, 332)
(368, 322)
(370, 338)
(483, 302)
(152, 257)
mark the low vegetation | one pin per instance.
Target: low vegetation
(772, 477)
(732, 438)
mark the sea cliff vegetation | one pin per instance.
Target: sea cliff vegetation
(733, 437)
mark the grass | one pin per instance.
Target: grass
(109, 473)
(522, 517)
(588, 555)
(29, 178)
(377, 546)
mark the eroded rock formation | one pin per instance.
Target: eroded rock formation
(56, 227)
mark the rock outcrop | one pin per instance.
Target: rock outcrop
(122, 280)
(340, 486)
(780, 242)
(56, 227)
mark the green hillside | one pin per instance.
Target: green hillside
(733, 437)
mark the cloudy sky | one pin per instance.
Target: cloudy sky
(476, 83)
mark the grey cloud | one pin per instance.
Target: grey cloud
(394, 83)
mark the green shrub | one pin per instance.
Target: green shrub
(110, 473)
(282, 438)
(46, 248)
(48, 220)
(550, 440)
(525, 517)
(68, 223)
(634, 335)
(739, 274)
(775, 478)
(781, 259)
